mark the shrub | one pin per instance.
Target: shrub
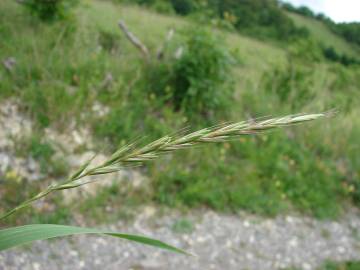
(163, 6)
(199, 81)
(331, 54)
(350, 31)
(306, 50)
(183, 7)
(49, 10)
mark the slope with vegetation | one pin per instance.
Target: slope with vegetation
(350, 31)
(324, 35)
(63, 67)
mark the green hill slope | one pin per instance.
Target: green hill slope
(152, 27)
(60, 73)
(324, 35)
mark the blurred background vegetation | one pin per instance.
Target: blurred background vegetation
(229, 60)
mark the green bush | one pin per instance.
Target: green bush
(163, 6)
(49, 10)
(306, 50)
(331, 54)
(183, 7)
(199, 81)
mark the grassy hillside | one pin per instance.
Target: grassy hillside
(324, 35)
(60, 71)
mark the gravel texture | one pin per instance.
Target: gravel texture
(219, 241)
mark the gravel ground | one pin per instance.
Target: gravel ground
(219, 241)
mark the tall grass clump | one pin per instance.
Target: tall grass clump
(292, 84)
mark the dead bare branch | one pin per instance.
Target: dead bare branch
(134, 40)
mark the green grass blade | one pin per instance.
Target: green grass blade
(15, 236)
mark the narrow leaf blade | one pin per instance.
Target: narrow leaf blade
(16, 236)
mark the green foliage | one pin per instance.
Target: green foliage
(202, 74)
(183, 225)
(61, 215)
(306, 50)
(345, 80)
(112, 203)
(331, 54)
(36, 148)
(16, 236)
(199, 81)
(261, 18)
(13, 192)
(276, 174)
(49, 10)
(183, 7)
(109, 41)
(291, 84)
(160, 6)
(163, 6)
(140, 119)
(43, 152)
(302, 10)
(349, 31)
(341, 266)
(351, 265)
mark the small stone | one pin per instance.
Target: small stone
(148, 211)
(252, 239)
(201, 239)
(81, 264)
(341, 250)
(36, 266)
(306, 266)
(150, 264)
(228, 244)
(249, 256)
(293, 242)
